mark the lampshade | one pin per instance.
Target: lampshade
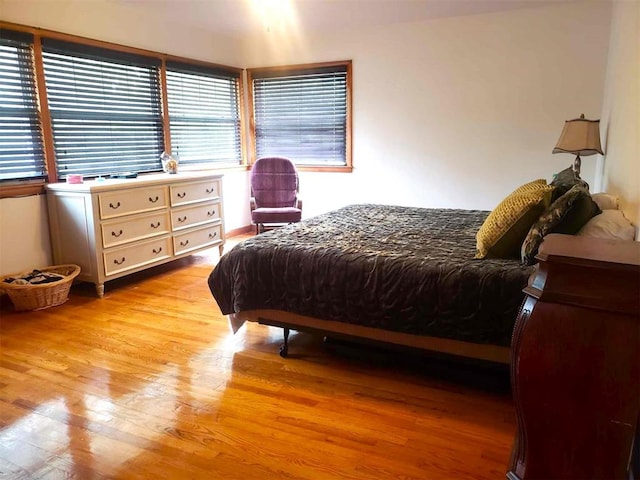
(580, 136)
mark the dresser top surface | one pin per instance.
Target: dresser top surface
(589, 250)
(142, 180)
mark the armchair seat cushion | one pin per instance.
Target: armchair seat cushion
(276, 215)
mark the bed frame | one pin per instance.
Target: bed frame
(290, 321)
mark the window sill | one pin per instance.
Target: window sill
(22, 189)
(36, 187)
(317, 168)
(221, 168)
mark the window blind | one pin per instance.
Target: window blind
(21, 150)
(105, 109)
(302, 116)
(204, 114)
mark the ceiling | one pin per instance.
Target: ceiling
(241, 17)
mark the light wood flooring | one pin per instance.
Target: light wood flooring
(149, 382)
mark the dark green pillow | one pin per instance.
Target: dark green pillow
(564, 181)
(567, 215)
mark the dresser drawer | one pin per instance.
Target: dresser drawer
(135, 200)
(192, 192)
(187, 241)
(130, 229)
(137, 255)
(196, 215)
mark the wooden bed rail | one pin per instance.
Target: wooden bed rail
(292, 321)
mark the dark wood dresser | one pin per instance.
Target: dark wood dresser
(575, 362)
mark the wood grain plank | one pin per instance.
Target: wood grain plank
(149, 382)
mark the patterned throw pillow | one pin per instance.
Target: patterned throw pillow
(503, 231)
(567, 215)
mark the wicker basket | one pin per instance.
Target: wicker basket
(36, 297)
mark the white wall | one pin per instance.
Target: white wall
(126, 23)
(135, 24)
(447, 113)
(236, 192)
(24, 234)
(620, 124)
(455, 112)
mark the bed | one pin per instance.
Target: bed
(399, 275)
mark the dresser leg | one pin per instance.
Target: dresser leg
(100, 289)
(221, 248)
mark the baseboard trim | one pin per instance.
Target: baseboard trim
(239, 231)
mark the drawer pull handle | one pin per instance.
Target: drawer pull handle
(114, 206)
(211, 190)
(116, 234)
(115, 260)
(182, 219)
(157, 251)
(153, 200)
(182, 194)
(211, 213)
(184, 244)
(213, 235)
(155, 225)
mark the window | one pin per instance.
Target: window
(105, 109)
(204, 118)
(303, 113)
(74, 105)
(21, 150)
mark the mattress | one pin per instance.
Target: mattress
(404, 269)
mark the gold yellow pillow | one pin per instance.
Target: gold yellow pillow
(502, 233)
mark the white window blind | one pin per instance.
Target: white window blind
(204, 114)
(21, 151)
(105, 109)
(302, 115)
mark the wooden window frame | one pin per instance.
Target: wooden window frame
(288, 69)
(33, 187)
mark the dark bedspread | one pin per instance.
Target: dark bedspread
(405, 269)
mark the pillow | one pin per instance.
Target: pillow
(566, 215)
(503, 231)
(606, 201)
(564, 180)
(611, 224)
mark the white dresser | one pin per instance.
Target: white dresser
(112, 228)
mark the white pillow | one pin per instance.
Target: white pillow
(611, 224)
(606, 201)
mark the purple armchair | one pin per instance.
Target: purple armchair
(274, 192)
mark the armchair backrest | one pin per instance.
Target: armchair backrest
(274, 182)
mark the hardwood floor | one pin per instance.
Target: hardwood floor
(149, 382)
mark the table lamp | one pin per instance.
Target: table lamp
(579, 136)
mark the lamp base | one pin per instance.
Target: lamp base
(576, 166)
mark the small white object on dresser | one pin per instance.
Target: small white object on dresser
(115, 227)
